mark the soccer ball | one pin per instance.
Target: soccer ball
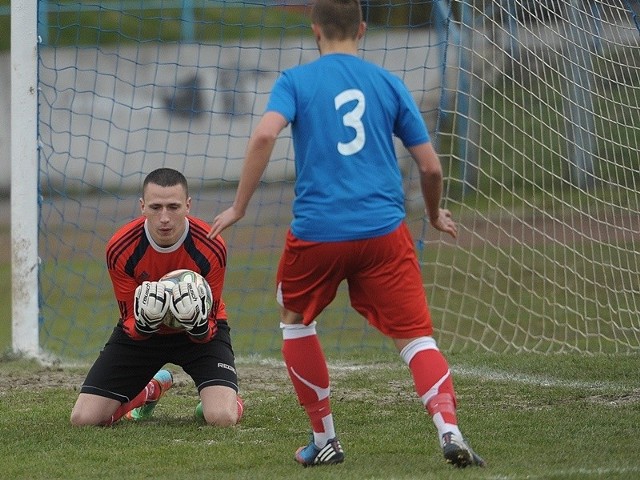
(173, 278)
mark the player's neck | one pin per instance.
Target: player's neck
(348, 47)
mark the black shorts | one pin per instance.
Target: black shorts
(125, 366)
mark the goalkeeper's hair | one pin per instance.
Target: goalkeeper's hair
(166, 177)
(338, 19)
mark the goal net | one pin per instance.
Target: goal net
(534, 107)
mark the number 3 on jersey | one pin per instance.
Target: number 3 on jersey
(352, 119)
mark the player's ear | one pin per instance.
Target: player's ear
(188, 204)
(362, 29)
(141, 205)
(317, 31)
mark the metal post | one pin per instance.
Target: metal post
(24, 179)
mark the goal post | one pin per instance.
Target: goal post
(532, 106)
(24, 180)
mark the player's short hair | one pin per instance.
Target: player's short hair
(338, 19)
(166, 177)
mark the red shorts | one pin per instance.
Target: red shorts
(382, 273)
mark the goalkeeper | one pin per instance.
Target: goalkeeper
(127, 379)
(348, 222)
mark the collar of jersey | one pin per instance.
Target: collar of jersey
(173, 247)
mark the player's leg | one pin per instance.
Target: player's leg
(307, 369)
(107, 394)
(91, 409)
(307, 282)
(434, 385)
(219, 406)
(391, 296)
(211, 365)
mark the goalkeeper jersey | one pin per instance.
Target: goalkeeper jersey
(344, 112)
(133, 257)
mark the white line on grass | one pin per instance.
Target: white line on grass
(581, 472)
(465, 371)
(540, 380)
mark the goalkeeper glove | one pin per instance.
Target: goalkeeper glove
(150, 304)
(188, 304)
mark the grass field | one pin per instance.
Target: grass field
(529, 416)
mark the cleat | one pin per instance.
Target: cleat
(458, 453)
(164, 381)
(311, 455)
(199, 414)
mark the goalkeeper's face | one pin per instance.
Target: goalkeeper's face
(165, 209)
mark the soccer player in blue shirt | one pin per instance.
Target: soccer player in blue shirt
(349, 222)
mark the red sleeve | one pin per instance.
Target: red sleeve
(215, 279)
(118, 251)
(215, 251)
(124, 288)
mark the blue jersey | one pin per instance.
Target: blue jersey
(343, 113)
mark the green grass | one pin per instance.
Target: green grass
(529, 416)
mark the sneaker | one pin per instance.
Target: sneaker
(164, 381)
(199, 414)
(311, 455)
(458, 453)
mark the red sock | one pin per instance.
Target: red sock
(240, 404)
(432, 380)
(154, 391)
(307, 369)
(150, 392)
(444, 404)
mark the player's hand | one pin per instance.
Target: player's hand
(188, 304)
(227, 218)
(445, 223)
(150, 304)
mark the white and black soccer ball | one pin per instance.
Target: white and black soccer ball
(182, 275)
